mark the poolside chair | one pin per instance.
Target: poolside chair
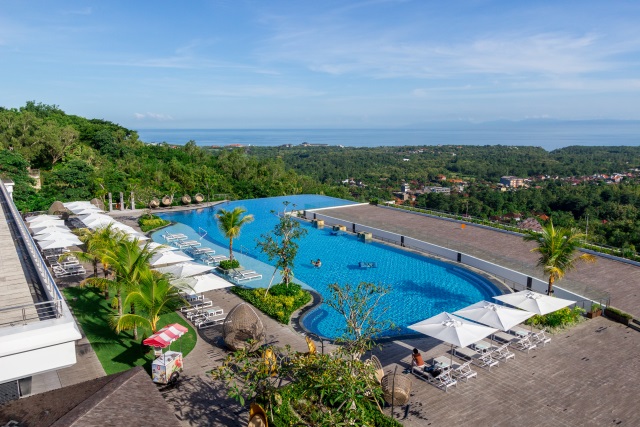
(540, 338)
(483, 360)
(463, 371)
(377, 366)
(443, 381)
(524, 344)
(502, 353)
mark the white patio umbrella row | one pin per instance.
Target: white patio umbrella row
(50, 232)
(459, 332)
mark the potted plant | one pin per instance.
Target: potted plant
(595, 311)
(618, 315)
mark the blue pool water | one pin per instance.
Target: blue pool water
(421, 287)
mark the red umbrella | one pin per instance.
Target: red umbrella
(166, 336)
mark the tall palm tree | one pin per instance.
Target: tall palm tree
(155, 296)
(96, 243)
(557, 248)
(230, 223)
(127, 261)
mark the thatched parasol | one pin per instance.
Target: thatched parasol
(243, 329)
(97, 202)
(57, 208)
(186, 199)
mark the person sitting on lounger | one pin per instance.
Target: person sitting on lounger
(416, 358)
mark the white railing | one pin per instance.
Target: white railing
(49, 285)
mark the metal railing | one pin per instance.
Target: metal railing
(27, 313)
(47, 281)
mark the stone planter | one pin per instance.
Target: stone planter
(616, 317)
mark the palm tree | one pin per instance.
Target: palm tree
(230, 223)
(96, 244)
(127, 261)
(155, 296)
(557, 248)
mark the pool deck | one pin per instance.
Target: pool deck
(620, 280)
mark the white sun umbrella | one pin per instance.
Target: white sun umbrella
(534, 301)
(76, 204)
(136, 235)
(46, 223)
(168, 257)
(39, 229)
(159, 247)
(36, 219)
(453, 330)
(202, 283)
(184, 269)
(88, 210)
(99, 222)
(57, 244)
(54, 235)
(494, 315)
(95, 216)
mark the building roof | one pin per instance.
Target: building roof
(127, 398)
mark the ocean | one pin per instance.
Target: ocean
(550, 136)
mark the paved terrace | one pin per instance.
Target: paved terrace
(620, 280)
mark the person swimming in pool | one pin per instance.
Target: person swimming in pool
(317, 263)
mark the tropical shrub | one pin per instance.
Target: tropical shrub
(229, 264)
(292, 289)
(279, 307)
(150, 222)
(562, 318)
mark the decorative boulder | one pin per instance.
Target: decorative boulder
(57, 208)
(98, 203)
(243, 329)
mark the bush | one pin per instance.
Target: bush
(619, 313)
(229, 264)
(279, 307)
(291, 289)
(558, 319)
(148, 222)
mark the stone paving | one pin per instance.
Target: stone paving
(588, 376)
(620, 280)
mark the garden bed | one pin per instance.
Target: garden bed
(118, 352)
(279, 307)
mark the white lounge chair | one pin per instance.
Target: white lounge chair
(502, 353)
(524, 344)
(540, 338)
(463, 371)
(483, 360)
(211, 321)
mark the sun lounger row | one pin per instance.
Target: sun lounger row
(201, 251)
(187, 244)
(213, 259)
(173, 237)
(206, 317)
(245, 276)
(197, 304)
(72, 270)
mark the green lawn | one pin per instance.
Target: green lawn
(118, 353)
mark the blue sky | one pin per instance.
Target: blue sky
(313, 64)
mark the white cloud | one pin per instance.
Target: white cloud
(153, 116)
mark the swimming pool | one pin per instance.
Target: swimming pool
(421, 287)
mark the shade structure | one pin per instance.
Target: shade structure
(184, 269)
(494, 315)
(534, 301)
(47, 223)
(452, 329)
(135, 235)
(169, 257)
(48, 228)
(92, 216)
(57, 244)
(202, 283)
(166, 336)
(37, 219)
(88, 211)
(55, 235)
(99, 222)
(159, 247)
